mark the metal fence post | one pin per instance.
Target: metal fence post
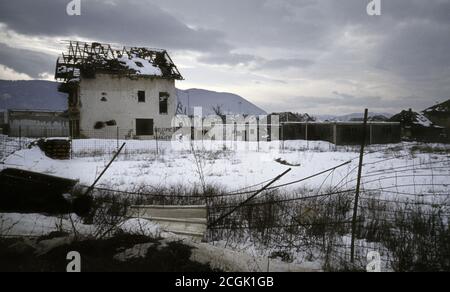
(358, 183)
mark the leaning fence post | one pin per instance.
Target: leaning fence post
(358, 183)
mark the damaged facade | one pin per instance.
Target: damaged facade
(417, 127)
(440, 115)
(131, 89)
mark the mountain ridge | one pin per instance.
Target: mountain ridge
(44, 95)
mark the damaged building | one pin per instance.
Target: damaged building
(440, 115)
(417, 127)
(342, 133)
(129, 89)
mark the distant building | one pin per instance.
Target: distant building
(417, 127)
(130, 89)
(34, 124)
(3, 122)
(342, 133)
(294, 117)
(440, 115)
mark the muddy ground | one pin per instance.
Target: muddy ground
(122, 253)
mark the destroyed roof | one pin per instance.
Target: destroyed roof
(87, 59)
(439, 108)
(294, 117)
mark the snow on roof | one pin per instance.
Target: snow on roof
(440, 108)
(422, 121)
(140, 65)
(411, 118)
(86, 59)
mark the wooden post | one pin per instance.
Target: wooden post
(358, 183)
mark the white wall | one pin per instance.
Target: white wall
(122, 104)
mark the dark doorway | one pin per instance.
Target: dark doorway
(144, 127)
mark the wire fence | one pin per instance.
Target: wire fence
(409, 230)
(406, 222)
(9, 145)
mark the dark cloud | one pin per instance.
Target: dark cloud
(24, 61)
(132, 22)
(406, 48)
(417, 51)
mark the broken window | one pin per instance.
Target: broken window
(144, 127)
(139, 64)
(163, 102)
(141, 96)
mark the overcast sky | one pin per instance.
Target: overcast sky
(315, 56)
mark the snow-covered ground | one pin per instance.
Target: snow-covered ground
(405, 171)
(393, 169)
(15, 224)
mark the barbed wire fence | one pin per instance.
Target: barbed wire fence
(407, 222)
(408, 229)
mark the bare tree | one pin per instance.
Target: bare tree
(219, 112)
(181, 110)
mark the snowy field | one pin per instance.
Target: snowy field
(409, 172)
(400, 169)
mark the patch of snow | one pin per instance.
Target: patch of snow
(423, 121)
(140, 66)
(232, 261)
(14, 224)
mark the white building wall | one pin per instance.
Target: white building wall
(122, 104)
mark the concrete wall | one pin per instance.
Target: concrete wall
(121, 105)
(342, 133)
